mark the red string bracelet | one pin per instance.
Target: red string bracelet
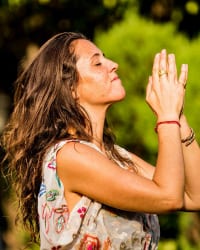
(166, 122)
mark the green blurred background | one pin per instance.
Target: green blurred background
(129, 32)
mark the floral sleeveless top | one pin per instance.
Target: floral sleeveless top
(90, 225)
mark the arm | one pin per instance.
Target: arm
(87, 172)
(191, 154)
(192, 169)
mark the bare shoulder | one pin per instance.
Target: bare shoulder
(76, 153)
(78, 163)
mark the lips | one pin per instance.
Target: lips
(115, 78)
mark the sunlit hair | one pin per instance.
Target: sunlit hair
(45, 112)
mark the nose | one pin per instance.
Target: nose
(113, 65)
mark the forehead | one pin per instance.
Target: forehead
(85, 48)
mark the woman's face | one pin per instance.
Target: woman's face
(98, 84)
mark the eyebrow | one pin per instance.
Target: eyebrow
(97, 55)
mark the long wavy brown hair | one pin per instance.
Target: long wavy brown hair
(45, 111)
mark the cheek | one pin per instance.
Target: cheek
(91, 93)
(96, 80)
(94, 84)
(85, 91)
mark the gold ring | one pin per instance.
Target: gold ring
(183, 84)
(162, 72)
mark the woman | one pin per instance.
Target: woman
(90, 193)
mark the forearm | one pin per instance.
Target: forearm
(170, 165)
(191, 155)
(165, 95)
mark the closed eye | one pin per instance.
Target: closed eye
(97, 64)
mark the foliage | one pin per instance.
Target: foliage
(184, 13)
(132, 43)
(25, 22)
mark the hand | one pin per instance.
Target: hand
(183, 81)
(165, 91)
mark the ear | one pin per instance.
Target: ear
(74, 93)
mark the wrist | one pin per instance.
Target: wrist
(184, 123)
(170, 117)
(185, 128)
(183, 119)
(189, 139)
(167, 122)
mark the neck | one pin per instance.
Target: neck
(97, 128)
(97, 121)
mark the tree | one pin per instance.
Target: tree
(184, 13)
(25, 22)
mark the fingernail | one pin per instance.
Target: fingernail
(185, 66)
(156, 57)
(171, 56)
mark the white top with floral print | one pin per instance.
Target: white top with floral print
(90, 225)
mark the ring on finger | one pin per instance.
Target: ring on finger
(183, 84)
(162, 72)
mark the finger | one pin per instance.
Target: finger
(163, 59)
(149, 93)
(155, 69)
(183, 75)
(172, 71)
(182, 109)
(149, 88)
(163, 64)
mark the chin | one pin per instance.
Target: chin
(120, 97)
